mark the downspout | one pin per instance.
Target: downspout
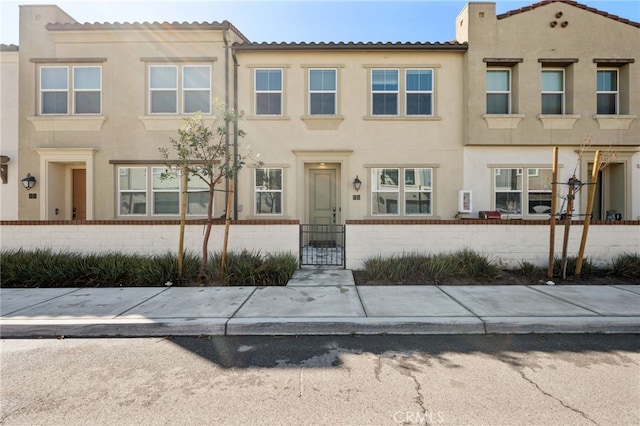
(235, 132)
(226, 108)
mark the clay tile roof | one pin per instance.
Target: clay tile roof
(571, 3)
(132, 26)
(452, 45)
(8, 48)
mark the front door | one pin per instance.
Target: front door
(323, 208)
(610, 192)
(79, 194)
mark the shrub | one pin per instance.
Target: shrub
(627, 265)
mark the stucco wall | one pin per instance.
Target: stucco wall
(505, 242)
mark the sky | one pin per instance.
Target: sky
(295, 20)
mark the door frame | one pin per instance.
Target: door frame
(306, 160)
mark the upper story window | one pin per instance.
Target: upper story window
(384, 91)
(268, 191)
(419, 91)
(83, 90)
(322, 91)
(185, 88)
(498, 91)
(607, 91)
(552, 91)
(268, 91)
(407, 191)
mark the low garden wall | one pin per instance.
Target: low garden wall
(506, 242)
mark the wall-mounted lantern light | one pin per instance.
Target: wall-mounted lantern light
(29, 182)
(357, 184)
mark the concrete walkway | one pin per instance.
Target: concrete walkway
(318, 301)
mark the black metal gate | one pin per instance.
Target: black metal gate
(322, 245)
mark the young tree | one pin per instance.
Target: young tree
(204, 153)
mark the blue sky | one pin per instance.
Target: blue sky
(296, 20)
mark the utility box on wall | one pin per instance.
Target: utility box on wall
(465, 201)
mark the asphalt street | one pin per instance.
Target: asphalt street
(334, 380)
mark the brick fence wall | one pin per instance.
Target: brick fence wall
(506, 242)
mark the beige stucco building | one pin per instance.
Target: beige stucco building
(9, 184)
(418, 125)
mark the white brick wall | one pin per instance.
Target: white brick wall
(504, 243)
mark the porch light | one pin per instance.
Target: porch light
(29, 182)
(357, 184)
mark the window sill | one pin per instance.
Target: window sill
(503, 121)
(614, 122)
(322, 122)
(558, 122)
(68, 123)
(167, 123)
(402, 117)
(269, 117)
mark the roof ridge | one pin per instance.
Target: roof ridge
(570, 3)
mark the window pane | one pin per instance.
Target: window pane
(268, 80)
(132, 178)
(552, 81)
(197, 202)
(419, 80)
(54, 102)
(386, 80)
(497, 103)
(607, 81)
(552, 103)
(171, 183)
(133, 203)
(385, 104)
(418, 202)
(163, 78)
(607, 103)
(322, 80)
(498, 81)
(419, 104)
(385, 179)
(196, 101)
(509, 202)
(86, 78)
(268, 179)
(196, 77)
(322, 103)
(163, 102)
(269, 202)
(54, 79)
(166, 202)
(268, 104)
(508, 179)
(87, 102)
(385, 203)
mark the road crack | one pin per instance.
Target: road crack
(561, 402)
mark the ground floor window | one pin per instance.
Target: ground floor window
(522, 190)
(399, 191)
(136, 183)
(268, 191)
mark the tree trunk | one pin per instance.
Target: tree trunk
(227, 222)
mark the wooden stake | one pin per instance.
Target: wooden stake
(227, 223)
(183, 213)
(587, 219)
(552, 219)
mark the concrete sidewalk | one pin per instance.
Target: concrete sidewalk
(318, 301)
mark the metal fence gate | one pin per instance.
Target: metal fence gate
(322, 245)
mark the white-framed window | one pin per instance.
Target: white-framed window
(607, 91)
(399, 191)
(85, 86)
(268, 191)
(419, 91)
(134, 185)
(553, 89)
(498, 87)
(523, 191)
(132, 191)
(385, 86)
(323, 89)
(194, 93)
(268, 91)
